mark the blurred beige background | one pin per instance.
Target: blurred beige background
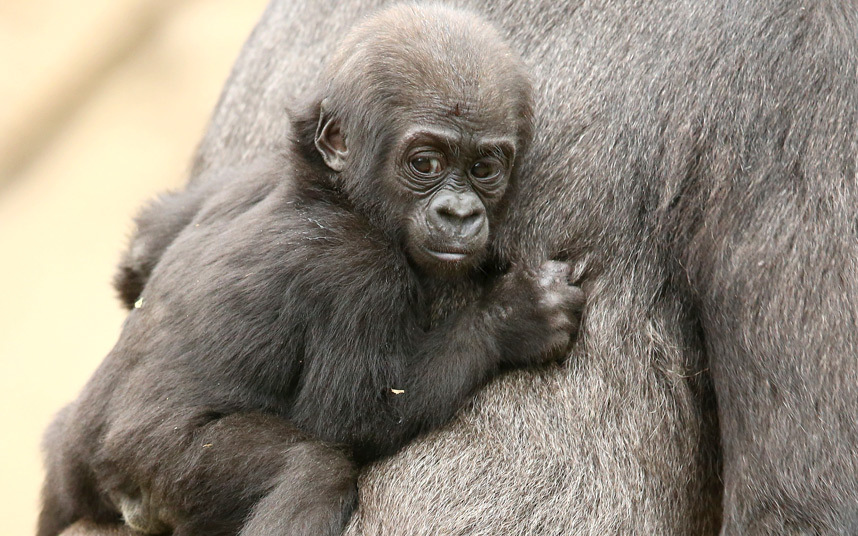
(101, 105)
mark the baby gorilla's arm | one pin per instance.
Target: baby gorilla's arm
(527, 318)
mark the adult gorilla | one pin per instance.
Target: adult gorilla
(701, 158)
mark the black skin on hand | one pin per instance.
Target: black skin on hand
(287, 326)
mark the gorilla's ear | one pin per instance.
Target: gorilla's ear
(330, 139)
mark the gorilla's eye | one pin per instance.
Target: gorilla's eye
(485, 170)
(426, 165)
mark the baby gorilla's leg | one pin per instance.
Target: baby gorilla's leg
(249, 474)
(315, 495)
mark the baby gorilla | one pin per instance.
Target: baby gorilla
(295, 317)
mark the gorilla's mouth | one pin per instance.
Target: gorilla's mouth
(449, 255)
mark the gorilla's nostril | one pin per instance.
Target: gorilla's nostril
(472, 224)
(471, 220)
(451, 214)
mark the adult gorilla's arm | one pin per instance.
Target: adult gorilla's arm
(701, 156)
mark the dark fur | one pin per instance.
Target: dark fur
(704, 155)
(282, 335)
(156, 227)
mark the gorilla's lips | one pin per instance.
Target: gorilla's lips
(449, 255)
(454, 250)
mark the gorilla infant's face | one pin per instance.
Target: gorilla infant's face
(452, 181)
(438, 178)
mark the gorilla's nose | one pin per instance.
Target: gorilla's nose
(458, 214)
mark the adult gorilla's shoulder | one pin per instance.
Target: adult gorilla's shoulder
(702, 157)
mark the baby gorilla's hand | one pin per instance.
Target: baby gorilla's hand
(539, 311)
(560, 303)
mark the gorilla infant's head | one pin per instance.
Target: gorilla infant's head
(420, 118)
